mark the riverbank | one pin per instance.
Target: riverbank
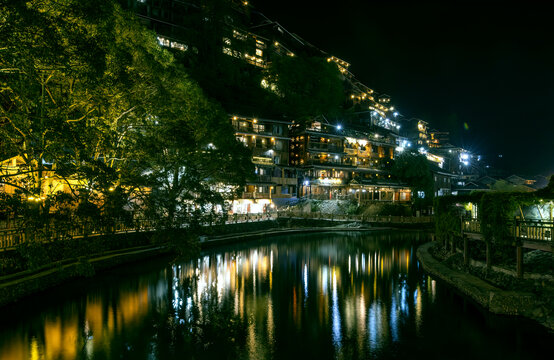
(16, 286)
(144, 246)
(537, 304)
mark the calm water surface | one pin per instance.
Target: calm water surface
(336, 295)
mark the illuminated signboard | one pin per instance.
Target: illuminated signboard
(330, 181)
(262, 160)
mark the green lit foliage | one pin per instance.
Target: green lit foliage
(447, 217)
(495, 211)
(413, 169)
(73, 74)
(187, 154)
(308, 86)
(87, 94)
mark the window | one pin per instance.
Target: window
(277, 160)
(259, 52)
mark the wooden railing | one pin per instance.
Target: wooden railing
(471, 226)
(523, 229)
(532, 229)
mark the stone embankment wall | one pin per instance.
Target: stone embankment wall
(495, 300)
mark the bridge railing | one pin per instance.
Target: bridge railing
(539, 230)
(532, 229)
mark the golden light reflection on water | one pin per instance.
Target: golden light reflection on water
(357, 294)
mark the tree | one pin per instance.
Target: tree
(88, 96)
(414, 170)
(189, 156)
(306, 86)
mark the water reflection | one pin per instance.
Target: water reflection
(331, 296)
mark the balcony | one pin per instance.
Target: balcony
(284, 181)
(325, 148)
(322, 163)
(255, 195)
(262, 179)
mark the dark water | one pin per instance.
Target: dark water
(343, 295)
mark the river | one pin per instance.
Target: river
(318, 296)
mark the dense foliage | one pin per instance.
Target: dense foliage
(89, 98)
(306, 86)
(414, 170)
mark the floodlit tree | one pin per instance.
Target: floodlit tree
(90, 99)
(188, 156)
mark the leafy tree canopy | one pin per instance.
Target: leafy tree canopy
(87, 94)
(414, 170)
(306, 86)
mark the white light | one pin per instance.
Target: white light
(464, 156)
(395, 113)
(306, 183)
(399, 148)
(339, 127)
(336, 157)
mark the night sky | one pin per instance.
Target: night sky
(489, 65)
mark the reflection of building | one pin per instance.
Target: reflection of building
(274, 179)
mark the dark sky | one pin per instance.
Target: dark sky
(487, 64)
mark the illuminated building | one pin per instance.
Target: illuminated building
(417, 131)
(341, 163)
(20, 174)
(438, 138)
(268, 141)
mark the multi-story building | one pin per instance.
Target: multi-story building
(325, 161)
(438, 138)
(341, 163)
(274, 180)
(417, 131)
(462, 164)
